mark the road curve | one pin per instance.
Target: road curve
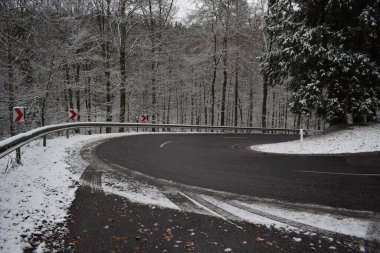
(224, 162)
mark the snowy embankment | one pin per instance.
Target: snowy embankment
(357, 139)
(35, 196)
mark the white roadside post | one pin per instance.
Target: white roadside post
(301, 138)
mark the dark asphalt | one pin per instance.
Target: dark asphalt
(222, 162)
(108, 223)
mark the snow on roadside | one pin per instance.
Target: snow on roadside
(135, 191)
(35, 196)
(358, 227)
(338, 224)
(354, 140)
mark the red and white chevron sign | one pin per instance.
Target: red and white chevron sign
(143, 118)
(73, 114)
(18, 114)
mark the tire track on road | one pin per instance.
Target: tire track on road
(92, 178)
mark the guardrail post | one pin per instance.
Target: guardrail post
(67, 133)
(44, 141)
(18, 155)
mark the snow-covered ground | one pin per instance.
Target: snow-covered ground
(354, 140)
(36, 195)
(288, 219)
(334, 223)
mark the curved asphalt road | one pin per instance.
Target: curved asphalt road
(223, 162)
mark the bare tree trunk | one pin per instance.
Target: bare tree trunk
(66, 98)
(153, 64)
(192, 110)
(122, 62)
(107, 75)
(177, 102)
(205, 105)
(168, 108)
(200, 105)
(250, 111)
(236, 83)
(241, 113)
(88, 103)
(107, 72)
(88, 96)
(319, 124)
(273, 109)
(45, 97)
(77, 86)
(9, 87)
(163, 109)
(286, 111)
(299, 117)
(128, 97)
(68, 93)
(225, 79)
(77, 93)
(214, 73)
(264, 106)
(11, 101)
(238, 23)
(71, 100)
(69, 89)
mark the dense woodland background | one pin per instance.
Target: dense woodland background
(115, 59)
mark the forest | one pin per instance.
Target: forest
(276, 63)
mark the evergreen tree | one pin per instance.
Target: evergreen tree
(327, 53)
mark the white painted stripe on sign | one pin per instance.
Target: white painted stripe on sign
(163, 144)
(338, 173)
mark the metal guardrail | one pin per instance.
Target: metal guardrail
(11, 144)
